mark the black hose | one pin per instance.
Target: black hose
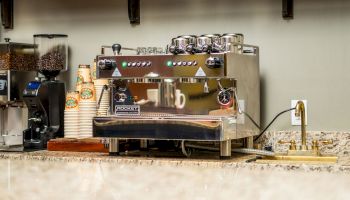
(263, 131)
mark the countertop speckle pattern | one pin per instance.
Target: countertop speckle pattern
(29, 177)
(236, 162)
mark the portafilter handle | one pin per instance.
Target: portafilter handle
(105, 87)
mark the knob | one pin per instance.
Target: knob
(138, 64)
(190, 48)
(116, 49)
(101, 64)
(109, 64)
(106, 64)
(133, 64)
(315, 143)
(292, 143)
(149, 63)
(143, 64)
(214, 62)
(206, 48)
(172, 49)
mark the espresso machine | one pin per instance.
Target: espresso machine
(45, 96)
(201, 90)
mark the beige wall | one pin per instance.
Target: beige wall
(308, 57)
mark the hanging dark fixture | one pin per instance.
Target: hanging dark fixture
(7, 13)
(287, 9)
(134, 11)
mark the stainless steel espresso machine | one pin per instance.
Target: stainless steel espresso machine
(200, 90)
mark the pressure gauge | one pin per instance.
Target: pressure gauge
(224, 97)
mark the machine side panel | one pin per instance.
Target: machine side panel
(245, 69)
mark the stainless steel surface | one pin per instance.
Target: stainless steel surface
(13, 122)
(232, 38)
(167, 92)
(231, 42)
(143, 144)
(215, 38)
(14, 114)
(203, 40)
(190, 97)
(181, 42)
(225, 148)
(246, 69)
(113, 145)
(191, 38)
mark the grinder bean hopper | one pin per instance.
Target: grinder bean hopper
(45, 96)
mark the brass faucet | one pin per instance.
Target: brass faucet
(304, 150)
(300, 112)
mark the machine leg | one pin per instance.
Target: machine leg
(225, 149)
(143, 144)
(249, 142)
(113, 146)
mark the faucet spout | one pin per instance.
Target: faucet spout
(300, 112)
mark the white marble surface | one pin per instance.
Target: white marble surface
(33, 179)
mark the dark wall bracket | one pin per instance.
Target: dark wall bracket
(288, 9)
(134, 11)
(7, 13)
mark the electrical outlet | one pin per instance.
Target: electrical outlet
(296, 121)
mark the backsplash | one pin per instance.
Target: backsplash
(340, 146)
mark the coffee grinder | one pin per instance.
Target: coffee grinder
(45, 96)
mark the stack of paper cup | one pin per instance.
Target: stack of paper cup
(71, 115)
(104, 104)
(87, 109)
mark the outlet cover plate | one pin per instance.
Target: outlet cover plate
(296, 121)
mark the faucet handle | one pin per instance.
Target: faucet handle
(293, 145)
(326, 142)
(315, 143)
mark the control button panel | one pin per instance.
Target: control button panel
(108, 64)
(181, 63)
(161, 65)
(126, 64)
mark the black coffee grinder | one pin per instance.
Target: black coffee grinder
(45, 97)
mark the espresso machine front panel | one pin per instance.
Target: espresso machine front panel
(164, 65)
(203, 97)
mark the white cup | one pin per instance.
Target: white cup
(180, 99)
(152, 95)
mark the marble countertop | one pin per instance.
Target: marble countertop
(64, 175)
(238, 161)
